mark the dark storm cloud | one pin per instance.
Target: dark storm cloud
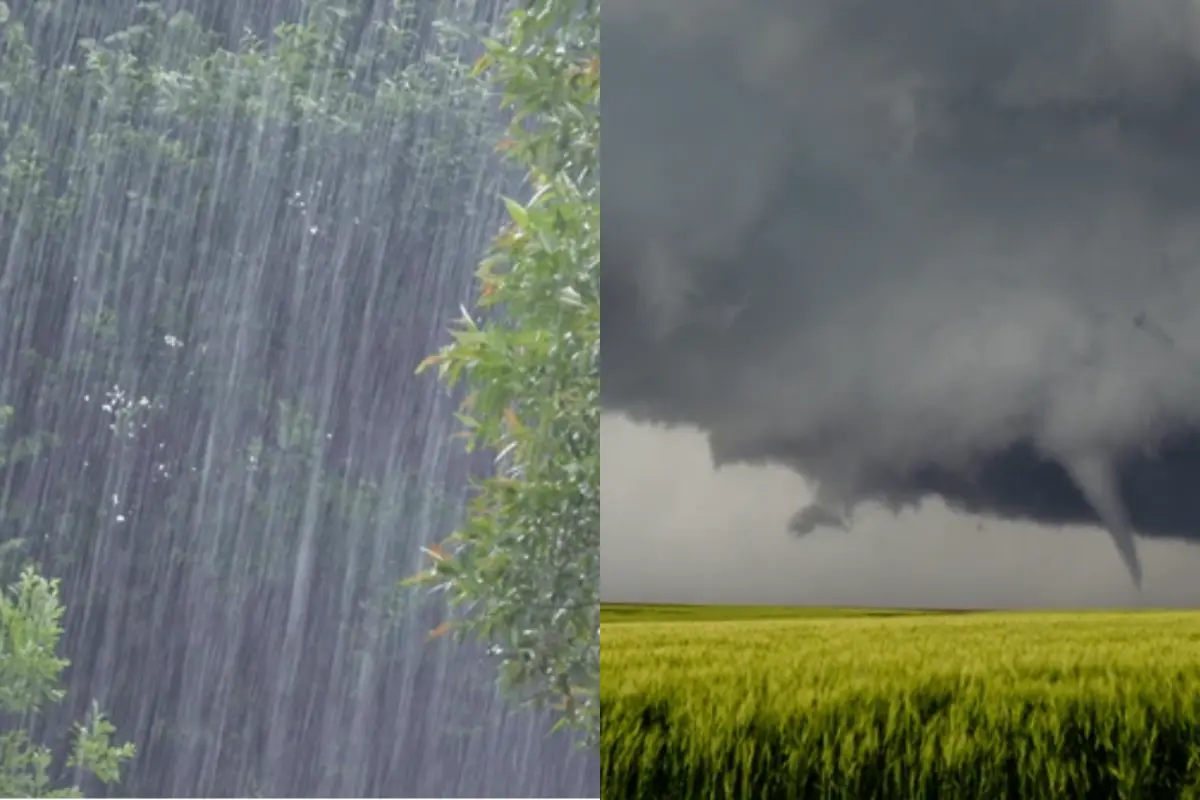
(918, 248)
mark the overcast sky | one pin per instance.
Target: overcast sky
(675, 530)
(923, 254)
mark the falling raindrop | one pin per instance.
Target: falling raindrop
(236, 223)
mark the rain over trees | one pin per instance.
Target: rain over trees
(229, 233)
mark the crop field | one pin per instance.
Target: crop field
(852, 703)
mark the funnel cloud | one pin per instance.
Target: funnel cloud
(915, 251)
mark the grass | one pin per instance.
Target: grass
(701, 701)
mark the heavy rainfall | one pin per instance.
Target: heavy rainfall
(229, 231)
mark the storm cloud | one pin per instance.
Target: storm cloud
(911, 250)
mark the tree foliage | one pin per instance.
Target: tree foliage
(30, 669)
(211, 239)
(524, 567)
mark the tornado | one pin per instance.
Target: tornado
(914, 250)
(1094, 476)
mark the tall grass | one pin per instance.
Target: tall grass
(956, 706)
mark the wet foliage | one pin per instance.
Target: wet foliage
(526, 563)
(228, 234)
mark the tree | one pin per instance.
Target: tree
(524, 567)
(30, 670)
(190, 209)
(29, 679)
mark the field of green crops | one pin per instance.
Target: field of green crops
(733, 703)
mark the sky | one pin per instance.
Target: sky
(885, 260)
(676, 530)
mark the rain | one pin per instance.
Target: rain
(229, 232)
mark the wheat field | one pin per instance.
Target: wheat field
(899, 704)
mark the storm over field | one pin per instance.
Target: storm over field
(914, 251)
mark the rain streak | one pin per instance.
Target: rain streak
(229, 231)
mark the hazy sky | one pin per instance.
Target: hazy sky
(675, 530)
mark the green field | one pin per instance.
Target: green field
(744, 702)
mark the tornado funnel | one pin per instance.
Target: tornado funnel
(1096, 479)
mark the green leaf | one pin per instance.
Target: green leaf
(532, 371)
(517, 211)
(482, 64)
